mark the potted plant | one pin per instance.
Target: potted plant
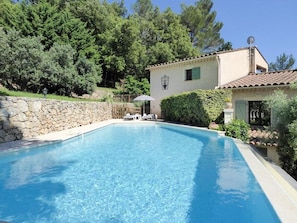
(228, 102)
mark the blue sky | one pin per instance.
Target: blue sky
(273, 23)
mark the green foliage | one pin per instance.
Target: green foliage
(57, 25)
(204, 30)
(225, 46)
(292, 141)
(143, 8)
(199, 107)
(88, 75)
(21, 60)
(99, 32)
(238, 128)
(63, 76)
(9, 14)
(107, 97)
(5, 92)
(283, 62)
(26, 66)
(59, 69)
(286, 111)
(117, 39)
(132, 86)
(173, 35)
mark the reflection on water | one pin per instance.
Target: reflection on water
(225, 189)
(233, 175)
(23, 170)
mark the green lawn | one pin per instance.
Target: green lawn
(6, 92)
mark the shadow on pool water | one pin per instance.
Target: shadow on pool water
(22, 198)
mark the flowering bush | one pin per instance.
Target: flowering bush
(214, 126)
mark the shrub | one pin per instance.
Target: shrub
(130, 85)
(199, 107)
(238, 129)
(285, 110)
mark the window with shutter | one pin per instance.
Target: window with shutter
(196, 73)
(193, 74)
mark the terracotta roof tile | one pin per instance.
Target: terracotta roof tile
(276, 78)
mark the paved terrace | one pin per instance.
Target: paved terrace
(279, 187)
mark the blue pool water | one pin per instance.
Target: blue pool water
(132, 173)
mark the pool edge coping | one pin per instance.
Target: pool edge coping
(279, 191)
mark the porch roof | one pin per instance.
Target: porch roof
(276, 78)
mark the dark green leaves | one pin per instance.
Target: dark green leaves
(283, 62)
(26, 66)
(204, 30)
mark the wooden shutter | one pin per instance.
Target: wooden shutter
(196, 73)
(240, 110)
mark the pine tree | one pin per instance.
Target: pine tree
(283, 62)
(143, 8)
(204, 30)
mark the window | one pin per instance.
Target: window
(260, 69)
(193, 74)
(258, 114)
(188, 75)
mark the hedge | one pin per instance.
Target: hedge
(199, 107)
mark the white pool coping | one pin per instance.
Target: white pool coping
(279, 187)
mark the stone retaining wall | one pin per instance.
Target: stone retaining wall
(28, 117)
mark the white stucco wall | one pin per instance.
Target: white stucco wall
(233, 65)
(177, 79)
(260, 60)
(258, 94)
(236, 64)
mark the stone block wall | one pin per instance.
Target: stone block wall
(29, 117)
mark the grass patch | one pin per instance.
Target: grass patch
(108, 90)
(6, 92)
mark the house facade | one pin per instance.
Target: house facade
(208, 71)
(250, 91)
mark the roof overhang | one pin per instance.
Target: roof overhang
(256, 87)
(185, 61)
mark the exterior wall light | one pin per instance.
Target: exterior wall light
(165, 82)
(44, 92)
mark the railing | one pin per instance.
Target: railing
(259, 116)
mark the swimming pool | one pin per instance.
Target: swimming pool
(132, 173)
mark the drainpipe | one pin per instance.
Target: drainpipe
(219, 71)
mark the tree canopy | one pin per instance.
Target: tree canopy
(25, 65)
(283, 62)
(84, 43)
(204, 30)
